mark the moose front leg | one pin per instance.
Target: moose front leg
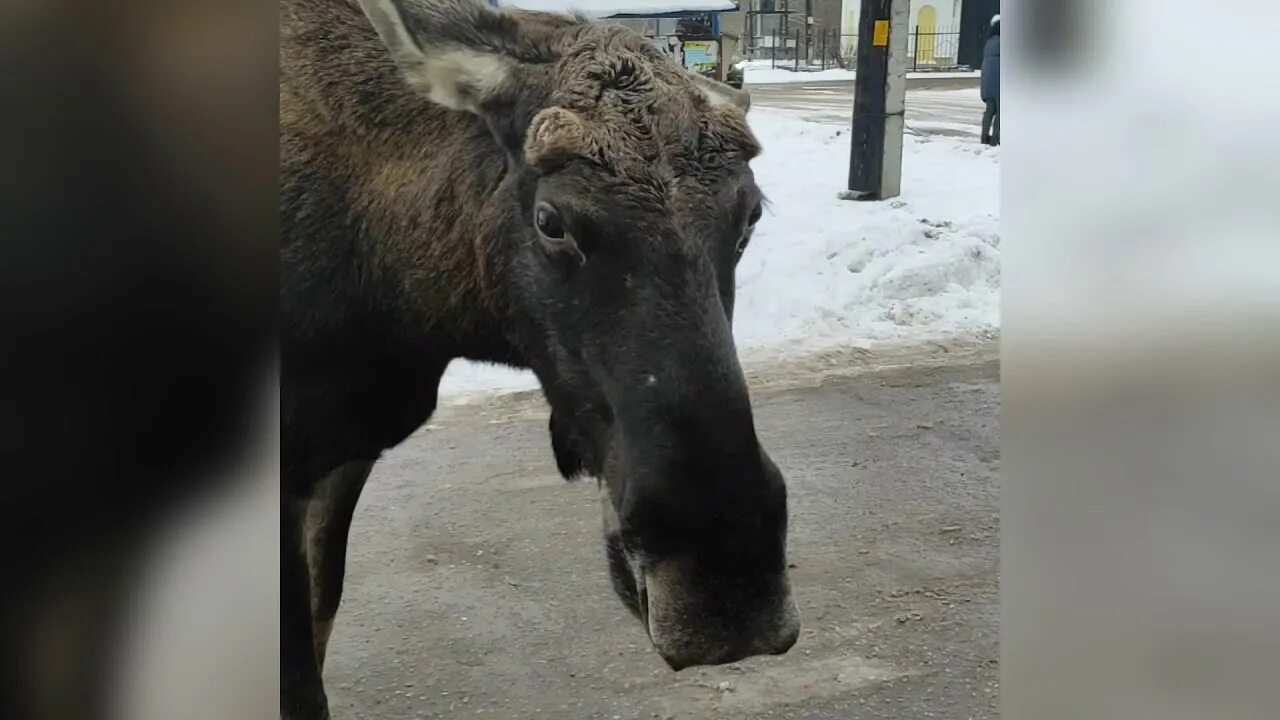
(302, 694)
(329, 514)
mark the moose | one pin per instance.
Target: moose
(545, 192)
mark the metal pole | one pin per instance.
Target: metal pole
(783, 28)
(797, 53)
(875, 155)
(808, 32)
(915, 54)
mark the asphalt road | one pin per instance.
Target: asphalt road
(477, 583)
(931, 109)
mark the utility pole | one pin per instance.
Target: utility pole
(808, 31)
(879, 99)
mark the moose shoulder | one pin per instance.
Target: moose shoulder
(545, 192)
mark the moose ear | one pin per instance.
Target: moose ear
(452, 51)
(720, 94)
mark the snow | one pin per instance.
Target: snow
(823, 273)
(466, 379)
(761, 72)
(754, 75)
(606, 8)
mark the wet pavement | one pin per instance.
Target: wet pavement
(477, 584)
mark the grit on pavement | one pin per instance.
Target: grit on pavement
(477, 584)
(940, 108)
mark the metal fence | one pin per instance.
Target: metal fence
(824, 49)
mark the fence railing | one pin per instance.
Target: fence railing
(825, 49)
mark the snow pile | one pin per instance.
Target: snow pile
(759, 72)
(762, 72)
(606, 8)
(464, 378)
(824, 273)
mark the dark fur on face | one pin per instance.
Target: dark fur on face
(550, 193)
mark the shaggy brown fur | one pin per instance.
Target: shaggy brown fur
(415, 170)
(413, 158)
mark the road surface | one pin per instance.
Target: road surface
(931, 109)
(477, 583)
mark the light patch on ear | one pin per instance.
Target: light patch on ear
(720, 94)
(458, 78)
(452, 75)
(554, 135)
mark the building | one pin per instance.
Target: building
(933, 26)
(704, 35)
(944, 33)
(783, 29)
(975, 27)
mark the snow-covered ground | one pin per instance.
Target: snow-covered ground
(824, 273)
(761, 72)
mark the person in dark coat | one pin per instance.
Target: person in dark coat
(991, 85)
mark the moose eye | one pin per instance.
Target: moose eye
(754, 217)
(548, 222)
